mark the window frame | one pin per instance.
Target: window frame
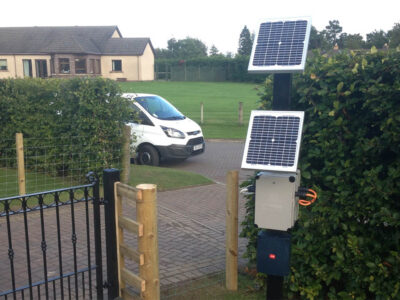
(81, 66)
(113, 66)
(5, 66)
(60, 64)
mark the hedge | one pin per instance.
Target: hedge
(347, 244)
(77, 122)
(212, 68)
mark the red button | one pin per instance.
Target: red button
(272, 256)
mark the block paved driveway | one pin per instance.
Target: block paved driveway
(192, 220)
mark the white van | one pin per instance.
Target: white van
(162, 132)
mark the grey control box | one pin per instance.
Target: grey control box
(276, 204)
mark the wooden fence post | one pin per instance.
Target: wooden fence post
(19, 141)
(240, 113)
(201, 113)
(146, 214)
(126, 154)
(232, 199)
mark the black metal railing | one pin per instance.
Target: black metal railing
(48, 244)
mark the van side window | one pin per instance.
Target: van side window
(140, 117)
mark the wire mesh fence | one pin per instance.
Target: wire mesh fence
(53, 163)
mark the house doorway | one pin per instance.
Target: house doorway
(27, 64)
(41, 68)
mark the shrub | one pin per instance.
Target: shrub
(78, 122)
(347, 244)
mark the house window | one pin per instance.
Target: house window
(117, 66)
(80, 66)
(64, 65)
(91, 66)
(97, 69)
(3, 64)
(27, 65)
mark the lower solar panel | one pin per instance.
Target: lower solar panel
(273, 141)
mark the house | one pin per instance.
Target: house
(74, 51)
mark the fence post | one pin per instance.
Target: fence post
(201, 113)
(232, 199)
(146, 214)
(240, 113)
(19, 141)
(97, 234)
(126, 154)
(109, 177)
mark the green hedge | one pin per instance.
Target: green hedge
(212, 68)
(69, 126)
(347, 244)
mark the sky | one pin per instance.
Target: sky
(214, 22)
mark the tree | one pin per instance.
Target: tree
(187, 48)
(317, 40)
(394, 36)
(245, 42)
(214, 51)
(332, 32)
(351, 41)
(162, 53)
(377, 39)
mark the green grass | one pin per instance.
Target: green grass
(35, 182)
(165, 178)
(213, 288)
(221, 103)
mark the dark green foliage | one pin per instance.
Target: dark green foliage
(245, 42)
(332, 32)
(212, 68)
(347, 244)
(68, 125)
(394, 36)
(377, 39)
(351, 41)
(183, 49)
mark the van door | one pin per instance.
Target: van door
(140, 124)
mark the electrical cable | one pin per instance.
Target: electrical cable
(309, 193)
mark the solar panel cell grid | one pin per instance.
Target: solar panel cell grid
(273, 141)
(280, 43)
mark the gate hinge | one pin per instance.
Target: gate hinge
(106, 285)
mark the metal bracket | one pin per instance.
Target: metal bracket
(92, 177)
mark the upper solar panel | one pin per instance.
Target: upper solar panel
(273, 140)
(280, 46)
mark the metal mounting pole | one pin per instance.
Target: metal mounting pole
(280, 101)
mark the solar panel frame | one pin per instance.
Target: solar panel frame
(273, 140)
(288, 50)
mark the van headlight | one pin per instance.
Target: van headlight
(174, 133)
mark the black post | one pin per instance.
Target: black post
(280, 101)
(282, 91)
(109, 177)
(97, 233)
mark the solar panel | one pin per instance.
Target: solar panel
(280, 46)
(273, 140)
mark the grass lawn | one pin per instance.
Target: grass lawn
(35, 182)
(221, 103)
(213, 287)
(165, 178)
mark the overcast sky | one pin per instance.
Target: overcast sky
(214, 22)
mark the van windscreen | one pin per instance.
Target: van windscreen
(159, 108)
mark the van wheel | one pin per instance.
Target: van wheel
(148, 155)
